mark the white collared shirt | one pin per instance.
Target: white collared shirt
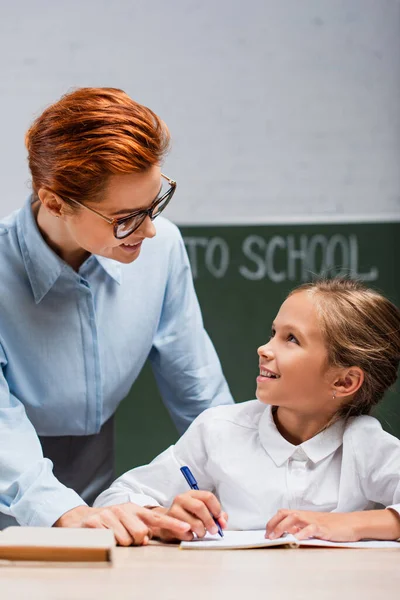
(238, 453)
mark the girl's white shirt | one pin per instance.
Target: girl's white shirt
(238, 453)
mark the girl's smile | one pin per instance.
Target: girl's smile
(267, 374)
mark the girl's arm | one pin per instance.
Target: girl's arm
(381, 524)
(158, 483)
(376, 456)
(376, 524)
(161, 486)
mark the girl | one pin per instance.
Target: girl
(305, 457)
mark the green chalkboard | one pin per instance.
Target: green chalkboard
(242, 275)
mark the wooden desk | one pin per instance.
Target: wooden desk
(167, 573)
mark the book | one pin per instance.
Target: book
(56, 544)
(255, 539)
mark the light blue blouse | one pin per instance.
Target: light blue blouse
(72, 343)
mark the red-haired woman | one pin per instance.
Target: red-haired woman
(79, 315)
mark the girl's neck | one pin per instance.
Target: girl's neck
(298, 428)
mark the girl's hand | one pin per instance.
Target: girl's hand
(196, 508)
(335, 527)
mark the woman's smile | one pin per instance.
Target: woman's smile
(131, 248)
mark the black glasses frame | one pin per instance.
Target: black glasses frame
(137, 213)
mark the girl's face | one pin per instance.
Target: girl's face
(294, 370)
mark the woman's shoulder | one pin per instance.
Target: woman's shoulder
(165, 246)
(9, 247)
(166, 230)
(8, 224)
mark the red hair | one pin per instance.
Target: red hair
(76, 144)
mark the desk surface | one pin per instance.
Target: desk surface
(167, 573)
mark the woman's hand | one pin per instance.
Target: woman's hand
(196, 508)
(336, 527)
(131, 524)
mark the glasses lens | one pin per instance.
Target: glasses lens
(126, 227)
(162, 203)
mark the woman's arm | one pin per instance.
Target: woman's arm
(29, 492)
(183, 358)
(32, 495)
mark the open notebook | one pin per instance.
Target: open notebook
(255, 539)
(56, 544)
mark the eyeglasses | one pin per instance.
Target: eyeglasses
(127, 225)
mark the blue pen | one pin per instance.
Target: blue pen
(188, 475)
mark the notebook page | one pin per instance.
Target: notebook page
(361, 544)
(238, 539)
(255, 539)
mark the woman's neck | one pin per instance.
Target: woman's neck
(298, 428)
(56, 236)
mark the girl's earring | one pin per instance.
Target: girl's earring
(334, 395)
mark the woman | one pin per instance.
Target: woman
(79, 316)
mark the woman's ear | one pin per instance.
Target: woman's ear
(348, 382)
(51, 202)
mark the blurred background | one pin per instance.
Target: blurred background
(285, 123)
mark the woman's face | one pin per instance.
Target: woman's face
(296, 354)
(123, 195)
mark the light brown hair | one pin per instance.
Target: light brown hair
(361, 328)
(76, 144)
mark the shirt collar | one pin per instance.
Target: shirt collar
(111, 267)
(315, 449)
(42, 264)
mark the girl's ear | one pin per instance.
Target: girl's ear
(348, 382)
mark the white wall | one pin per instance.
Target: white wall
(279, 110)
